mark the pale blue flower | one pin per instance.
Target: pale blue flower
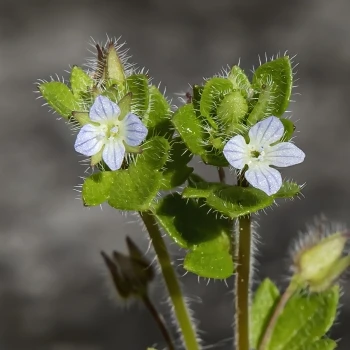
(109, 133)
(261, 152)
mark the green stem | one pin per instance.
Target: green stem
(293, 286)
(159, 320)
(171, 281)
(242, 283)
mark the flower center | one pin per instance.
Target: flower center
(254, 154)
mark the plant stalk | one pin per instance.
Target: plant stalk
(171, 282)
(242, 283)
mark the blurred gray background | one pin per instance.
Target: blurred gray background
(53, 293)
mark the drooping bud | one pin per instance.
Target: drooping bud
(131, 273)
(319, 265)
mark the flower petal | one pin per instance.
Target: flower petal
(266, 132)
(134, 130)
(113, 153)
(103, 109)
(235, 151)
(284, 154)
(89, 140)
(264, 178)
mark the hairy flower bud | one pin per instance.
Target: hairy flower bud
(319, 265)
(131, 273)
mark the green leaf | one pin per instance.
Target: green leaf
(238, 79)
(80, 81)
(138, 85)
(176, 170)
(158, 120)
(211, 259)
(262, 107)
(202, 189)
(289, 128)
(289, 189)
(196, 98)
(131, 189)
(59, 97)
(214, 91)
(235, 201)
(322, 344)
(304, 320)
(191, 225)
(190, 128)
(264, 301)
(277, 75)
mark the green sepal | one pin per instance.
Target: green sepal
(288, 189)
(176, 171)
(137, 84)
(304, 320)
(278, 76)
(235, 201)
(192, 225)
(112, 92)
(214, 91)
(196, 98)
(239, 79)
(190, 128)
(134, 188)
(202, 189)
(262, 108)
(80, 82)
(265, 299)
(158, 119)
(215, 158)
(125, 105)
(82, 118)
(289, 128)
(114, 66)
(60, 98)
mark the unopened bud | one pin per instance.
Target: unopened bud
(321, 264)
(131, 273)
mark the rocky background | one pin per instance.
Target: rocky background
(53, 293)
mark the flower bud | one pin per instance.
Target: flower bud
(131, 273)
(319, 266)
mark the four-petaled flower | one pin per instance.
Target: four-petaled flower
(261, 152)
(109, 133)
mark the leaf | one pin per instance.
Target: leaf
(190, 128)
(264, 301)
(176, 170)
(202, 189)
(59, 97)
(211, 259)
(191, 225)
(137, 84)
(214, 91)
(288, 189)
(235, 201)
(277, 75)
(80, 81)
(304, 320)
(131, 189)
(158, 120)
(196, 98)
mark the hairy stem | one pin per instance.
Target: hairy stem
(160, 322)
(276, 313)
(222, 176)
(172, 283)
(242, 283)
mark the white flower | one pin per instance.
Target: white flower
(108, 133)
(261, 152)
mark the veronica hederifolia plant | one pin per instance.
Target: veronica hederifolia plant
(139, 151)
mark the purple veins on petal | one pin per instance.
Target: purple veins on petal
(113, 154)
(284, 154)
(264, 178)
(103, 109)
(266, 132)
(89, 140)
(135, 130)
(235, 151)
